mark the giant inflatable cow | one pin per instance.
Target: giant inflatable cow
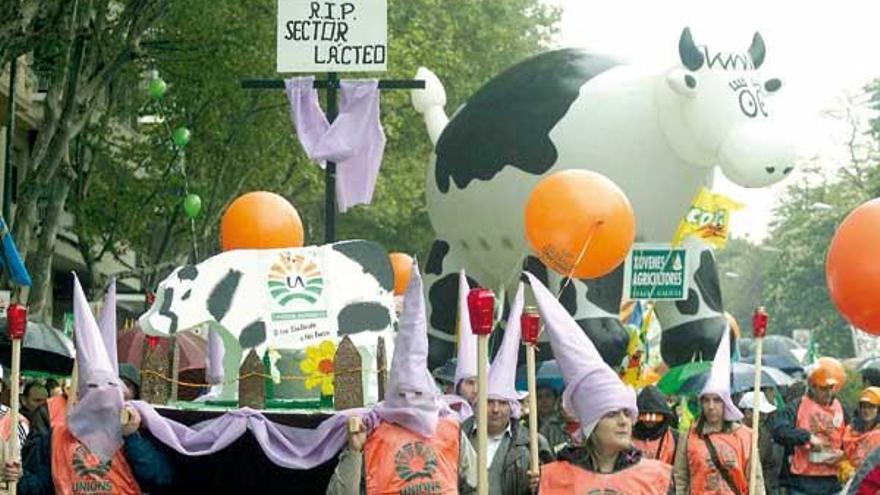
(658, 134)
(283, 300)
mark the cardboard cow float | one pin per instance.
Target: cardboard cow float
(291, 306)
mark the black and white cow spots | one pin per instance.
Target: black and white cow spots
(443, 298)
(165, 309)
(252, 335)
(359, 317)
(508, 121)
(371, 257)
(439, 250)
(693, 327)
(220, 299)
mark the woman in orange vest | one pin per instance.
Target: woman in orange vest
(811, 430)
(94, 450)
(714, 457)
(863, 435)
(606, 461)
(655, 432)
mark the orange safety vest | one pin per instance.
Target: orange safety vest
(57, 410)
(399, 461)
(858, 445)
(826, 422)
(661, 448)
(6, 425)
(76, 471)
(648, 477)
(733, 451)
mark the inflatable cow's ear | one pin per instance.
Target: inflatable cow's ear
(691, 56)
(682, 83)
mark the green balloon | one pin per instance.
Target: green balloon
(181, 136)
(192, 205)
(157, 88)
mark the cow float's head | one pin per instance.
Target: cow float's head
(170, 313)
(716, 110)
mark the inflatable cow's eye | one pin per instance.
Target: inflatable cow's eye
(772, 85)
(683, 83)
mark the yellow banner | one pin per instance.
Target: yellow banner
(708, 218)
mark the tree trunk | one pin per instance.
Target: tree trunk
(41, 290)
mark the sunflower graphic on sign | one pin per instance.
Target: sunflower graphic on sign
(319, 366)
(293, 277)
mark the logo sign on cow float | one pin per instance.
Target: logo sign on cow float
(332, 35)
(296, 285)
(656, 272)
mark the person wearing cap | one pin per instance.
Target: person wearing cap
(508, 447)
(811, 429)
(654, 433)
(863, 435)
(411, 442)
(771, 453)
(94, 450)
(715, 455)
(444, 376)
(561, 430)
(131, 377)
(605, 461)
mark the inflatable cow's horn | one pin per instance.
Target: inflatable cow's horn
(430, 102)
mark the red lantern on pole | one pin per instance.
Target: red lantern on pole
(530, 322)
(759, 323)
(16, 321)
(481, 307)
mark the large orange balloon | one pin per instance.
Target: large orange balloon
(852, 268)
(401, 263)
(579, 222)
(260, 220)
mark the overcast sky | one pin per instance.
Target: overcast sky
(822, 51)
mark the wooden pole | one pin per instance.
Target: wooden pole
(12, 447)
(759, 330)
(533, 408)
(754, 459)
(482, 414)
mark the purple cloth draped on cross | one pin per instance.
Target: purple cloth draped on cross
(355, 141)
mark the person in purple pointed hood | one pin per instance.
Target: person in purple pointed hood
(93, 451)
(606, 460)
(465, 381)
(715, 455)
(416, 444)
(508, 448)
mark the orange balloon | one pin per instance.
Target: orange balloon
(260, 220)
(401, 264)
(852, 269)
(579, 222)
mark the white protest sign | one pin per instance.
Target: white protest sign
(332, 35)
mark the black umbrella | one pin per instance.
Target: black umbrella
(44, 349)
(784, 362)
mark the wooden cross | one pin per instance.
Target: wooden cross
(331, 85)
